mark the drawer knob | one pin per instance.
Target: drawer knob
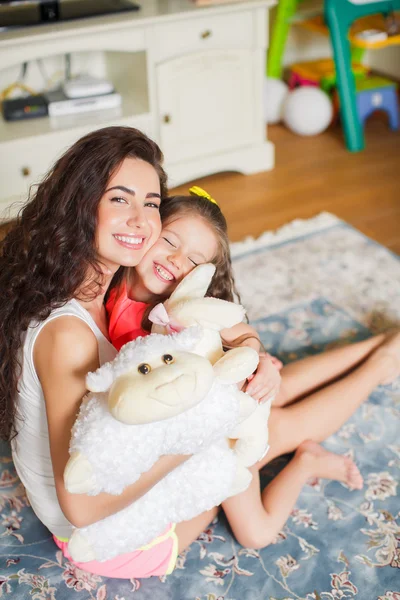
(25, 171)
(206, 34)
(167, 118)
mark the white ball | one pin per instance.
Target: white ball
(307, 111)
(275, 92)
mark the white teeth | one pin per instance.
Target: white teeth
(164, 274)
(129, 240)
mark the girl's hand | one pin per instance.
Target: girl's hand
(275, 361)
(266, 381)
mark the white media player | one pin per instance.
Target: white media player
(60, 104)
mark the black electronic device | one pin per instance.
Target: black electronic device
(22, 13)
(30, 107)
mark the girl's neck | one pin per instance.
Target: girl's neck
(136, 290)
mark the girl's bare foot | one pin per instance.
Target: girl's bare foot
(329, 465)
(387, 357)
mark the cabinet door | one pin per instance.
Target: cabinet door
(206, 103)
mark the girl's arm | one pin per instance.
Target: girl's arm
(65, 351)
(265, 383)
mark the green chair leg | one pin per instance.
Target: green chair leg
(353, 129)
(285, 10)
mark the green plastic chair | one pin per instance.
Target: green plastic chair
(284, 18)
(339, 16)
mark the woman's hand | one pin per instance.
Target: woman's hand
(264, 384)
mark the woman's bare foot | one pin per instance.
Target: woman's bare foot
(329, 465)
(387, 357)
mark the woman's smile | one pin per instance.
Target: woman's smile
(130, 241)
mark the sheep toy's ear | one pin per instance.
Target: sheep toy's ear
(211, 313)
(100, 380)
(194, 285)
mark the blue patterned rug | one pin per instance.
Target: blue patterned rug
(312, 285)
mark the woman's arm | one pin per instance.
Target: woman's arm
(65, 351)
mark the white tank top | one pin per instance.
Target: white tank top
(31, 448)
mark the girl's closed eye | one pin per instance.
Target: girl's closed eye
(194, 263)
(169, 242)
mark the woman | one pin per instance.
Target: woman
(96, 210)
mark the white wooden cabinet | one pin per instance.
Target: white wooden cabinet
(204, 101)
(191, 78)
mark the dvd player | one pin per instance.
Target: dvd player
(23, 13)
(59, 104)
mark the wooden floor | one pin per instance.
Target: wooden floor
(313, 175)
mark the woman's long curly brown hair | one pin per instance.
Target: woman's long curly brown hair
(46, 256)
(223, 284)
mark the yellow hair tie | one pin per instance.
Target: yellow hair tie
(198, 191)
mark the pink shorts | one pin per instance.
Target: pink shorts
(157, 558)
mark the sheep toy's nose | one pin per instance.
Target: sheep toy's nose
(176, 391)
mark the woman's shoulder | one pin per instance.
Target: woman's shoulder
(65, 342)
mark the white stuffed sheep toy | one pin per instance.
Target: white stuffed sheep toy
(149, 384)
(156, 397)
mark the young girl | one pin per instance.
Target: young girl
(97, 209)
(194, 231)
(158, 275)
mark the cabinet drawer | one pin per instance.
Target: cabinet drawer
(25, 162)
(204, 33)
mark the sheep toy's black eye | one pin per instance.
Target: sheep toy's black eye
(144, 368)
(168, 359)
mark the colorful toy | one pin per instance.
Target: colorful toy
(345, 21)
(307, 111)
(320, 73)
(308, 18)
(339, 16)
(378, 93)
(375, 93)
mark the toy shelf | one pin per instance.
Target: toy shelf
(317, 24)
(373, 22)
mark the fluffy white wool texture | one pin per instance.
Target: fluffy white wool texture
(107, 443)
(204, 481)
